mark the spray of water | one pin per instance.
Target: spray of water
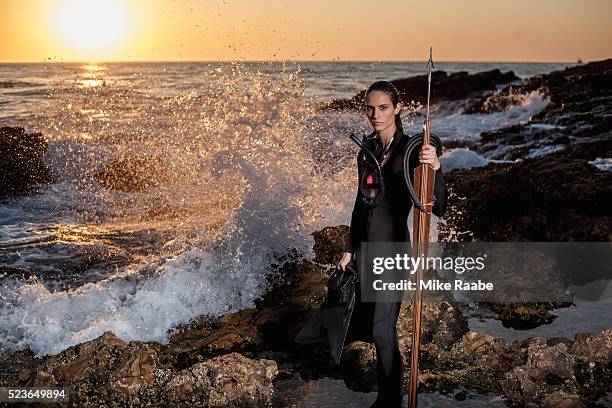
(226, 167)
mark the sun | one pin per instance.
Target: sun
(91, 25)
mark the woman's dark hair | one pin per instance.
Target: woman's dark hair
(390, 89)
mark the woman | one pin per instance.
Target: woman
(386, 222)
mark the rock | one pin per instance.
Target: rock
(579, 83)
(557, 197)
(595, 348)
(11, 273)
(21, 166)
(329, 243)
(358, 366)
(561, 373)
(231, 380)
(445, 87)
(443, 324)
(580, 108)
(477, 362)
(561, 399)
(133, 173)
(110, 371)
(524, 316)
(12, 363)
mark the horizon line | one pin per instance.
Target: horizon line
(291, 60)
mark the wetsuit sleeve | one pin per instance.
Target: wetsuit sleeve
(439, 207)
(353, 240)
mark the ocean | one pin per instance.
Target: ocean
(246, 168)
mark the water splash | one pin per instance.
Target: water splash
(232, 184)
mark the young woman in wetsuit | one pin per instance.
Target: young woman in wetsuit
(386, 222)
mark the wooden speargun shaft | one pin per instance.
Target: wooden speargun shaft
(424, 178)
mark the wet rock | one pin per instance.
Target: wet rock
(561, 399)
(524, 316)
(231, 380)
(579, 84)
(546, 371)
(109, 371)
(477, 362)
(558, 197)
(445, 87)
(133, 173)
(532, 373)
(329, 244)
(11, 273)
(11, 363)
(563, 373)
(595, 348)
(21, 166)
(358, 366)
(580, 108)
(443, 324)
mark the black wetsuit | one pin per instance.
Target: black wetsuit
(386, 222)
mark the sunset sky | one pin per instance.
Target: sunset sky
(153, 30)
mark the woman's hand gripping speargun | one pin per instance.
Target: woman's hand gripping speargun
(428, 155)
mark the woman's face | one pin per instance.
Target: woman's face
(380, 110)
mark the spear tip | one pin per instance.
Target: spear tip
(430, 64)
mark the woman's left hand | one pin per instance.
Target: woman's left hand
(428, 155)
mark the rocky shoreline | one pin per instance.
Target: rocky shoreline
(238, 359)
(242, 358)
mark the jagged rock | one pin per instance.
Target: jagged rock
(110, 371)
(580, 108)
(444, 87)
(477, 362)
(358, 366)
(595, 348)
(524, 316)
(329, 243)
(12, 363)
(558, 197)
(12, 273)
(546, 370)
(561, 399)
(231, 380)
(563, 373)
(21, 166)
(580, 83)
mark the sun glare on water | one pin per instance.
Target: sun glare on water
(91, 25)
